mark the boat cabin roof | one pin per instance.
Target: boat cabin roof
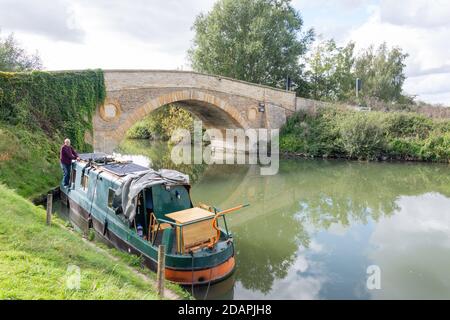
(112, 165)
(123, 169)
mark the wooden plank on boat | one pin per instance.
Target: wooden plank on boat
(189, 215)
(195, 235)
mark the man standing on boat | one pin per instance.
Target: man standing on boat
(67, 154)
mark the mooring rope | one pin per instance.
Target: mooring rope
(209, 284)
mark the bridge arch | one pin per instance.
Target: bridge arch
(219, 101)
(210, 108)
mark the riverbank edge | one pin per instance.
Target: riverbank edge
(334, 133)
(291, 155)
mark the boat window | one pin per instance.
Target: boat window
(111, 194)
(84, 182)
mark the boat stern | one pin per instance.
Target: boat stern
(203, 276)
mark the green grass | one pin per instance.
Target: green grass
(34, 259)
(29, 161)
(136, 262)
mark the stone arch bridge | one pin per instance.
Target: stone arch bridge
(218, 101)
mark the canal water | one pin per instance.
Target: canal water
(327, 229)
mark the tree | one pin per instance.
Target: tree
(382, 72)
(329, 71)
(332, 71)
(14, 58)
(259, 41)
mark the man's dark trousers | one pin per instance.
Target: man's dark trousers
(66, 170)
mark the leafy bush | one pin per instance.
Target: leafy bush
(361, 136)
(311, 134)
(139, 131)
(161, 124)
(436, 147)
(404, 148)
(292, 143)
(406, 124)
(337, 132)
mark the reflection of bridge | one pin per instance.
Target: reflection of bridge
(219, 102)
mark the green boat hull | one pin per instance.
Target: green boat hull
(201, 267)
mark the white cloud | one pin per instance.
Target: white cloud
(437, 98)
(431, 84)
(399, 23)
(53, 18)
(104, 34)
(167, 24)
(423, 13)
(411, 248)
(346, 4)
(304, 281)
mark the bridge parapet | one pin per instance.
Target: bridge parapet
(219, 102)
(117, 80)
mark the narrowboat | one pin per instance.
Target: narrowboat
(137, 209)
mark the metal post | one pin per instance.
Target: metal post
(288, 83)
(161, 270)
(358, 87)
(226, 227)
(49, 208)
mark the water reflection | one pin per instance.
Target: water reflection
(412, 249)
(312, 230)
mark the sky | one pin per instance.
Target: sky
(155, 34)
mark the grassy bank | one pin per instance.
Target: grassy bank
(28, 161)
(34, 259)
(340, 133)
